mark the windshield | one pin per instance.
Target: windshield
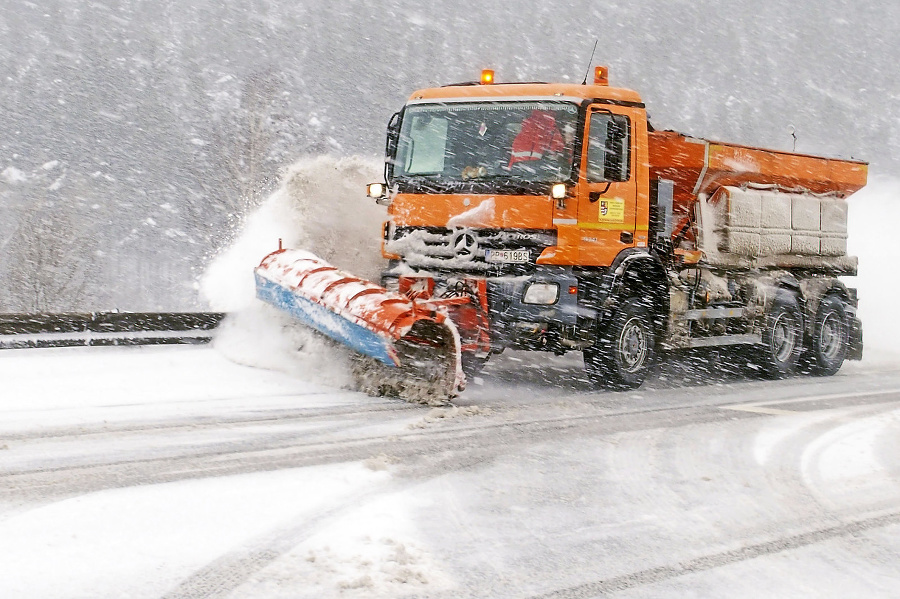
(523, 141)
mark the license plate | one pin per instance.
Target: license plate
(514, 256)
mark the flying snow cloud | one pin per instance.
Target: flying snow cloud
(873, 218)
(320, 206)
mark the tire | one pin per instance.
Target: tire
(782, 337)
(625, 351)
(831, 337)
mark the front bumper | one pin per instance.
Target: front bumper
(506, 298)
(513, 322)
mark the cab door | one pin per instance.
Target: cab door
(607, 195)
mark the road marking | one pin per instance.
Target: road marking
(760, 407)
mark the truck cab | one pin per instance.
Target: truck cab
(534, 187)
(566, 163)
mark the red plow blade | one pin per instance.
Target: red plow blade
(409, 348)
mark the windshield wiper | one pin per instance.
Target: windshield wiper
(428, 176)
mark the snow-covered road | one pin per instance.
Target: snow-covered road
(172, 472)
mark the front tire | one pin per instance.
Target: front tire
(831, 336)
(624, 353)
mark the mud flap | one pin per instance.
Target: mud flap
(855, 342)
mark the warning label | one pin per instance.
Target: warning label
(612, 211)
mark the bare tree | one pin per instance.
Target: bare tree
(49, 257)
(247, 143)
(251, 134)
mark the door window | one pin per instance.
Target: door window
(608, 148)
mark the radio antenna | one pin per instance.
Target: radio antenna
(589, 62)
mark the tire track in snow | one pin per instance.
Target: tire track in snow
(223, 575)
(721, 559)
(205, 421)
(426, 446)
(298, 449)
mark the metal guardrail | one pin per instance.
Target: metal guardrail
(19, 331)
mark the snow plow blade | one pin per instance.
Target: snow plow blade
(405, 348)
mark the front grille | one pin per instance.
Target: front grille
(465, 249)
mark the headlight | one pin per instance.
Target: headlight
(375, 190)
(541, 293)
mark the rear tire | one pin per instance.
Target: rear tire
(782, 337)
(623, 355)
(830, 339)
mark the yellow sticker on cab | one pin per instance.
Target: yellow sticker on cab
(611, 210)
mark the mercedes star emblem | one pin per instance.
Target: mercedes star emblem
(465, 244)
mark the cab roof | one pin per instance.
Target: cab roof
(499, 91)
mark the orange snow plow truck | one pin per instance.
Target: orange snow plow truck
(553, 217)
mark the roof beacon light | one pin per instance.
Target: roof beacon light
(601, 75)
(487, 77)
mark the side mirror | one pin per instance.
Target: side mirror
(390, 147)
(393, 135)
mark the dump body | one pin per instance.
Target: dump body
(700, 167)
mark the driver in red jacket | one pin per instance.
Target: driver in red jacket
(538, 138)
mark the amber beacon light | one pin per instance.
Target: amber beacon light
(487, 77)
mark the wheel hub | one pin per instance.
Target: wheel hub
(632, 345)
(830, 337)
(784, 338)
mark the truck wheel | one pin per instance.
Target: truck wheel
(830, 337)
(624, 353)
(782, 337)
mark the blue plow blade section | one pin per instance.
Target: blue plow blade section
(326, 321)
